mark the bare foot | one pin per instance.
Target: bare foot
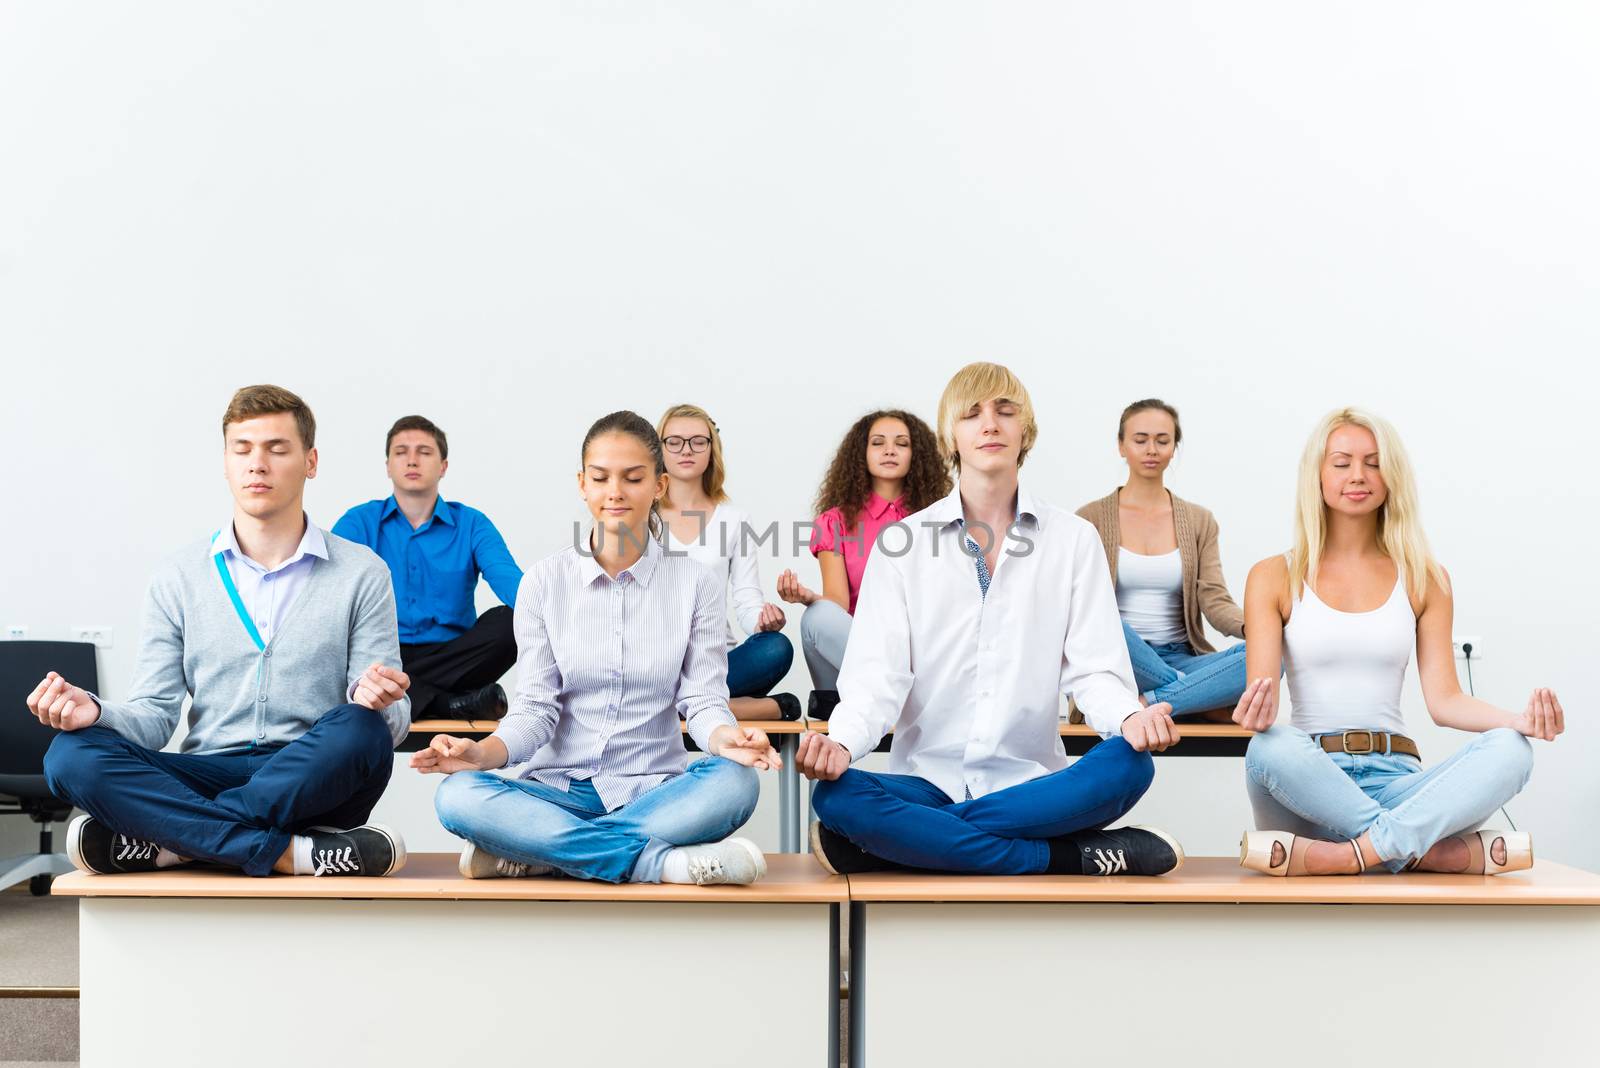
(1329, 858)
(1450, 855)
(744, 708)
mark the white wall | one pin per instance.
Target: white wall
(517, 217)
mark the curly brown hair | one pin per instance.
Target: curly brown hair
(848, 483)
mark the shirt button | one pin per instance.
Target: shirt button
(266, 652)
(262, 698)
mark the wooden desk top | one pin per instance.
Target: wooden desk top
(1083, 730)
(791, 879)
(797, 879)
(487, 726)
(1220, 880)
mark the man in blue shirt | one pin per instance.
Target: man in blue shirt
(436, 549)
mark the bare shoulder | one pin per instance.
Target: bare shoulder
(1437, 594)
(1272, 573)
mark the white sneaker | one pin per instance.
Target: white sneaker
(734, 861)
(478, 863)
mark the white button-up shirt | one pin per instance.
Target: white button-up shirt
(972, 685)
(268, 595)
(606, 667)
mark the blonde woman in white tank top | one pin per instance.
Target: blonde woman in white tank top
(1340, 789)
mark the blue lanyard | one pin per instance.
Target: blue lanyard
(238, 602)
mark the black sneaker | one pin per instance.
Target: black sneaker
(840, 856)
(1128, 851)
(371, 849)
(486, 702)
(96, 848)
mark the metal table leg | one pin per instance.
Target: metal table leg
(788, 795)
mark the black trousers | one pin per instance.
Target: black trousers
(476, 658)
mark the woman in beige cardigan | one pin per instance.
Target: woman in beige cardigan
(1164, 562)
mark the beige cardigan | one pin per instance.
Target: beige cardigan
(1204, 590)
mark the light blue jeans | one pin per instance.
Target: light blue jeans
(1190, 682)
(570, 830)
(1296, 786)
(824, 633)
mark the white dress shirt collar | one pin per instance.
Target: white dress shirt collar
(640, 570)
(312, 543)
(948, 508)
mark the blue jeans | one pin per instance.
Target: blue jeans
(1190, 682)
(1296, 786)
(758, 663)
(824, 633)
(238, 807)
(910, 821)
(570, 830)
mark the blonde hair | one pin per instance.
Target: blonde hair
(711, 478)
(974, 384)
(1400, 533)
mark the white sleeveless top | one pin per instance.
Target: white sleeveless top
(1150, 595)
(1345, 669)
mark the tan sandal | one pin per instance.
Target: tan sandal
(1480, 851)
(1273, 853)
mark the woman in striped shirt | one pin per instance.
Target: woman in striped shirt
(616, 640)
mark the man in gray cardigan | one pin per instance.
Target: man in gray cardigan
(285, 638)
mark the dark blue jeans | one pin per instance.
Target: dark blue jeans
(238, 807)
(758, 663)
(910, 821)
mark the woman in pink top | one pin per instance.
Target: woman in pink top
(886, 468)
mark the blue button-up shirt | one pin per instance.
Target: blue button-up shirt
(436, 566)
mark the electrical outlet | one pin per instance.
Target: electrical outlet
(100, 635)
(17, 632)
(1461, 640)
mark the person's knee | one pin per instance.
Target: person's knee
(1513, 754)
(498, 616)
(360, 735)
(498, 621)
(1141, 770)
(811, 624)
(1135, 767)
(738, 788)
(458, 797)
(1273, 747)
(71, 763)
(835, 800)
(777, 653)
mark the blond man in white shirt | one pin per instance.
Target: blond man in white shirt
(972, 622)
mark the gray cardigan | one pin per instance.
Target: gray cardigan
(194, 644)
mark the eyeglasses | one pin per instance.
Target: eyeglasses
(698, 443)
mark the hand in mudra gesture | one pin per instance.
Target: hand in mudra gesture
(57, 703)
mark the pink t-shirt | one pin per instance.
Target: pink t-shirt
(830, 536)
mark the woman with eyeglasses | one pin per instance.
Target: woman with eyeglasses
(703, 523)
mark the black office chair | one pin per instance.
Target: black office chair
(23, 741)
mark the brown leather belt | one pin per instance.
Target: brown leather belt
(1361, 743)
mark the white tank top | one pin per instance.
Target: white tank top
(1150, 595)
(1345, 669)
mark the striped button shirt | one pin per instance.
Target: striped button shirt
(607, 667)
